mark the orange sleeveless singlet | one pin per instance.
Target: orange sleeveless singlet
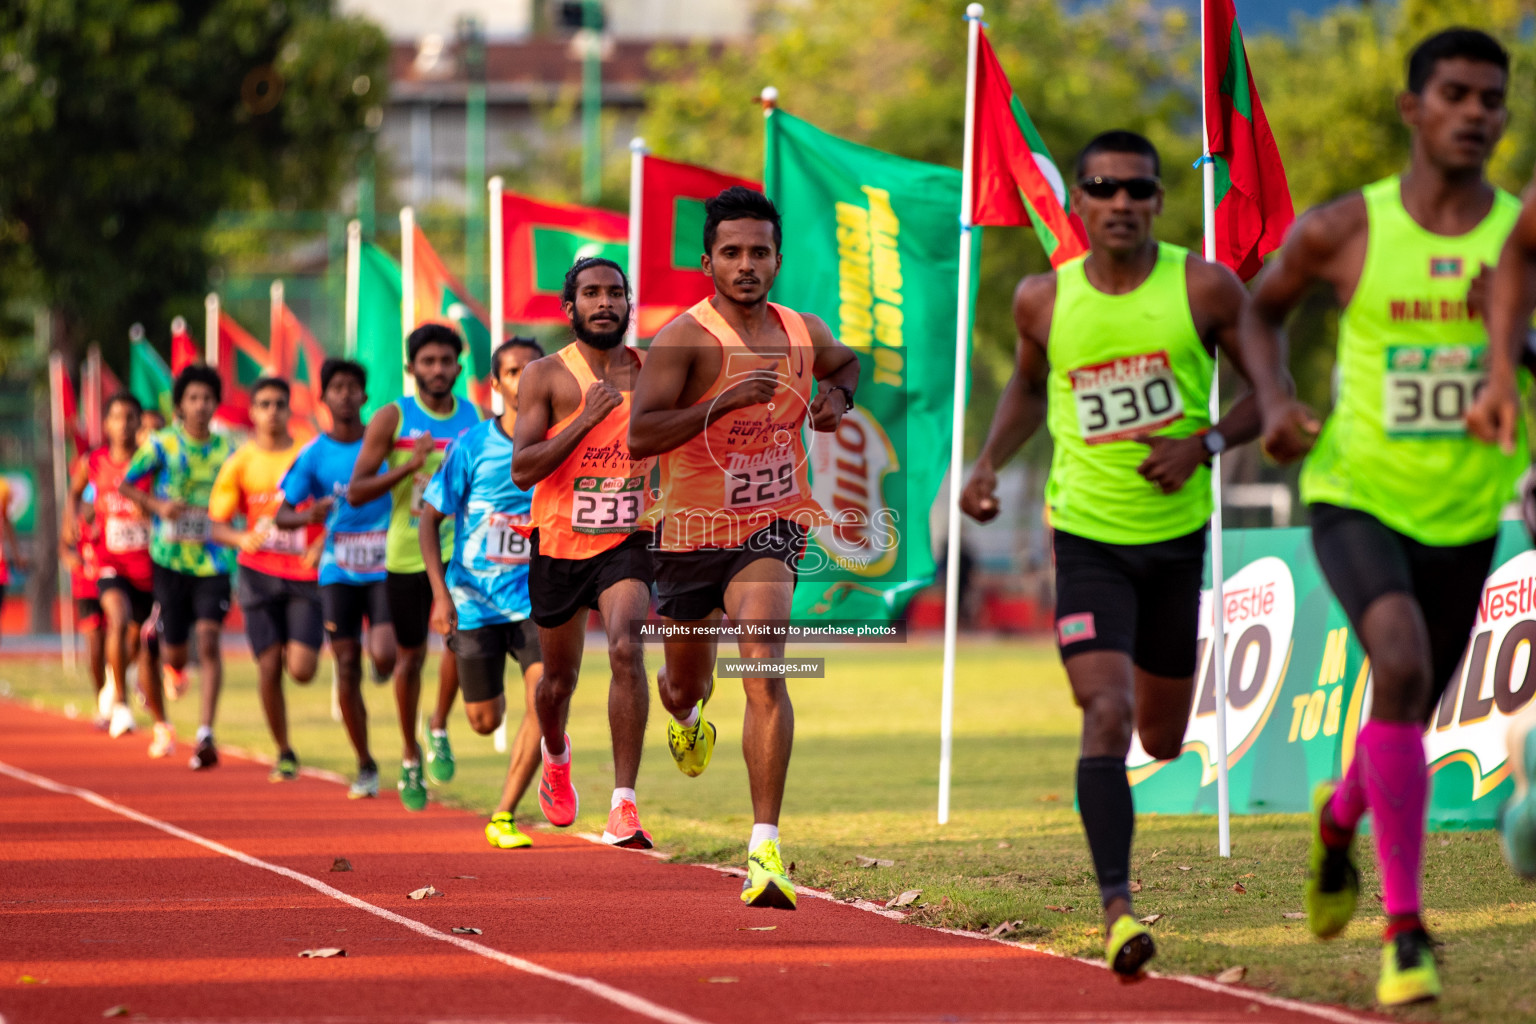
(749, 467)
(599, 495)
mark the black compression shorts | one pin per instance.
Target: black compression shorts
(691, 584)
(559, 588)
(346, 605)
(482, 654)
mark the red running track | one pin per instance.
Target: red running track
(128, 882)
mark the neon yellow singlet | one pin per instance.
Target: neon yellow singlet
(1410, 360)
(1123, 365)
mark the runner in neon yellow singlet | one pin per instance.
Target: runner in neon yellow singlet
(1115, 355)
(1404, 501)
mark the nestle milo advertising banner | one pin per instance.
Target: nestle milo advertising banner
(871, 245)
(1299, 689)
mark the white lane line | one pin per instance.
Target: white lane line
(625, 1000)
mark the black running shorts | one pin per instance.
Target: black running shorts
(185, 599)
(560, 588)
(1364, 559)
(1140, 599)
(88, 613)
(691, 584)
(279, 611)
(410, 606)
(141, 603)
(482, 655)
(346, 605)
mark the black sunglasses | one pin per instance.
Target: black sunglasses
(1105, 188)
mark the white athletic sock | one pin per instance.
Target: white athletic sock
(439, 732)
(204, 732)
(564, 758)
(692, 719)
(619, 796)
(761, 832)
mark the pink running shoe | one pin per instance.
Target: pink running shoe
(624, 828)
(557, 795)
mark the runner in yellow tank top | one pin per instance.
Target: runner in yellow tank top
(591, 546)
(1115, 357)
(1404, 502)
(681, 394)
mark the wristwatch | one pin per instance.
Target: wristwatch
(847, 395)
(1213, 442)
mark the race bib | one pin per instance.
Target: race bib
(361, 553)
(418, 488)
(285, 542)
(190, 528)
(125, 536)
(607, 504)
(1428, 389)
(762, 479)
(503, 544)
(1125, 397)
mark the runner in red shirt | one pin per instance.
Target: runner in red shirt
(77, 550)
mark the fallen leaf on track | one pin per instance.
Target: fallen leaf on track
(905, 899)
(1060, 910)
(421, 894)
(998, 931)
(722, 981)
(27, 979)
(1239, 888)
(115, 1011)
(1004, 845)
(1185, 867)
(472, 877)
(1152, 919)
(327, 952)
(1232, 975)
(1295, 915)
(1049, 798)
(341, 864)
(873, 862)
(759, 928)
(1136, 885)
(467, 931)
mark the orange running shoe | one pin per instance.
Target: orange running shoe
(175, 681)
(624, 828)
(557, 794)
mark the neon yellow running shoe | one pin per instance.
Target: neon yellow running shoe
(691, 747)
(1130, 946)
(1332, 887)
(767, 884)
(1408, 972)
(502, 832)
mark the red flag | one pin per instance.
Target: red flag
(1253, 200)
(297, 357)
(671, 237)
(242, 361)
(1014, 181)
(541, 241)
(74, 425)
(184, 351)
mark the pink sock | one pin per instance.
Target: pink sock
(1389, 775)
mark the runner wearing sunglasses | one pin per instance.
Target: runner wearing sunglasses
(1115, 357)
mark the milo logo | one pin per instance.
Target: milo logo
(1408, 358)
(848, 470)
(1259, 607)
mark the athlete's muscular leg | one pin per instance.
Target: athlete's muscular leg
(1104, 686)
(117, 614)
(96, 658)
(210, 667)
(1396, 639)
(486, 716)
(562, 647)
(301, 660)
(381, 649)
(689, 666)
(525, 745)
(149, 673)
(447, 690)
(1162, 712)
(764, 590)
(349, 694)
(269, 682)
(629, 693)
(408, 697)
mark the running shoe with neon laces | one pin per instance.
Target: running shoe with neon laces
(557, 794)
(624, 828)
(286, 769)
(1517, 818)
(440, 764)
(204, 756)
(175, 681)
(502, 832)
(413, 791)
(366, 785)
(767, 883)
(121, 723)
(1130, 946)
(691, 746)
(1408, 973)
(1332, 887)
(164, 743)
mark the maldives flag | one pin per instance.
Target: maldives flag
(242, 362)
(671, 215)
(296, 357)
(184, 351)
(440, 298)
(1014, 180)
(1253, 200)
(541, 240)
(149, 378)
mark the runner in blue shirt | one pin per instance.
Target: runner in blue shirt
(352, 564)
(480, 603)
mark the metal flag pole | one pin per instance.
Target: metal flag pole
(354, 285)
(973, 15)
(637, 153)
(1218, 603)
(211, 329)
(407, 292)
(498, 266)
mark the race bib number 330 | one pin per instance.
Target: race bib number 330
(1428, 389)
(607, 504)
(1125, 397)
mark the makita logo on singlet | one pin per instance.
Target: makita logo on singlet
(1429, 311)
(1118, 371)
(739, 462)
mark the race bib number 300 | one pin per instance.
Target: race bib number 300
(607, 504)
(1125, 397)
(1428, 389)
(361, 553)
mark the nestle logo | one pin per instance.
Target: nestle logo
(1517, 597)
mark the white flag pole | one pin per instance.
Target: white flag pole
(354, 285)
(973, 15)
(407, 292)
(60, 496)
(637, 153)
(275, 341)
(498, 266)
(1218, 642)
(211, 322)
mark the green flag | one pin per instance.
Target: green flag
(149, 378)
(379, 348)
(872, 246)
